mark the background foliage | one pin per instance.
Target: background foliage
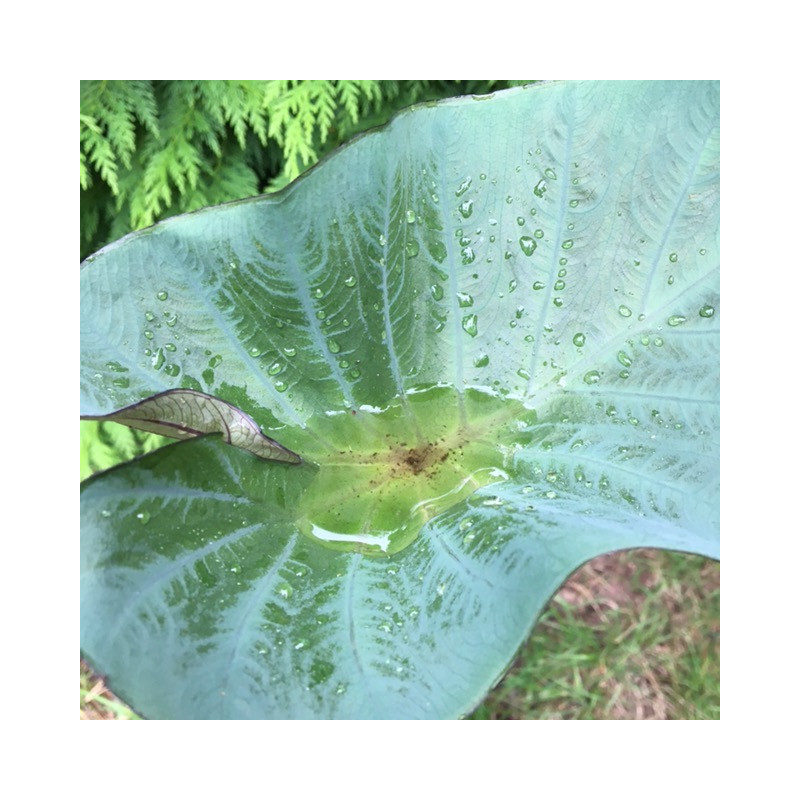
(153, 149)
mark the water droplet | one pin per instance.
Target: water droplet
(465, 184)
(523, 373)
(437, 291)
(171, 320)
(624, 311)
(467, 255)
(537, 285)
(624, 358)
(562, 273)
(412, 248)
(281, 386)
(170, 346)
(579, 340)
(623, 373)
(275, 368)
(673, 257)
(173, 370)
(707, 311)
(290, 352)
(470, 324)
(563, 262)
(538, 233)
(566, 245)
(320, 314)
(559, 285)
(527, 244)
(550, 173)
(675, 320)
(519, 312)
(464, 300)
(480, 361)
(658, 341)
(162, 295)
(573, 203)
(558, 302)
(148, 334)
(158, 359)
(149, 316)
(143, 517)
(670, 280)
(411, 217)
(540, 188)
(254, 351)
(529, 338)
(350, 281)
(333, 346)
(121, 383)
(512, 284)
(593, 376)
(466, 209)
(703, 251)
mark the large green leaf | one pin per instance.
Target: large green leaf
(491, 330)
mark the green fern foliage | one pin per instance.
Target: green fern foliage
(106, 444)
(153, 149)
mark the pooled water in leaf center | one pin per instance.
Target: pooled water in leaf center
(384, 472)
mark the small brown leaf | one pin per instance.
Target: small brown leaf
(185, 413)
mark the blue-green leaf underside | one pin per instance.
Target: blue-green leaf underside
(491, 330)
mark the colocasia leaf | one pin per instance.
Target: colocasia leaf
(185, 413)
(491, 329)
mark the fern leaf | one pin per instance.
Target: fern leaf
(106, 444)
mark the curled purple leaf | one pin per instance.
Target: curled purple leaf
(185, 413)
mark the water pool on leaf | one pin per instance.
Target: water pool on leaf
(382, 473)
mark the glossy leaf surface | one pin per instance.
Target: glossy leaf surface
(491, 330)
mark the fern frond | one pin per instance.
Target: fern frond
(106, 444)
(99, 153)
(154, 148)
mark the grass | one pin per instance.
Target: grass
(631, 635)
(97, 702)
